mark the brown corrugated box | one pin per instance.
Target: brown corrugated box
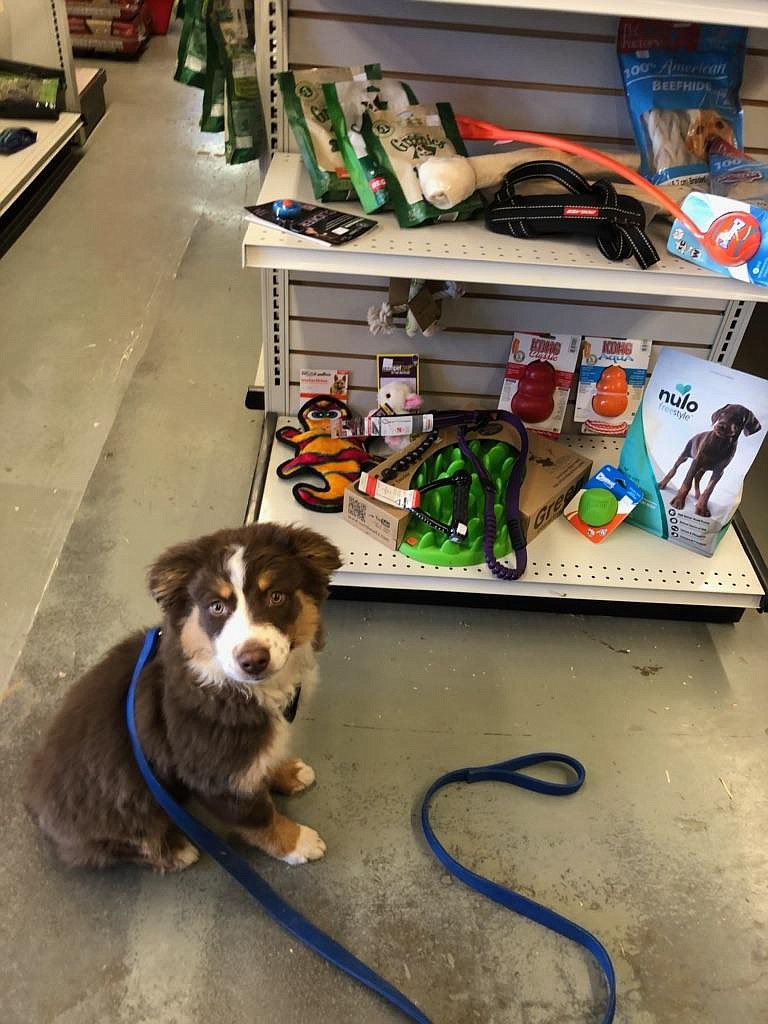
(554, 473)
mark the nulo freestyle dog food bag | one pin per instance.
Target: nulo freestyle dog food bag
(611, 381)
(682, 83)
(307, 112)
(697, 432)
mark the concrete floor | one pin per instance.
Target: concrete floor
(147, 329)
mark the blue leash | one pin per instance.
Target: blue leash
(324, 945)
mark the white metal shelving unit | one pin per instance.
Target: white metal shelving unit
(36, 32)
(631, 566)
(314, 299)
(747, 13)
(467, 251)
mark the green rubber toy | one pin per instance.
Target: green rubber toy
(432, 547)
(597, 506)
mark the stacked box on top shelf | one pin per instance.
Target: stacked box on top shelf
(120, 27)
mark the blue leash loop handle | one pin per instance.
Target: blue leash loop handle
(317, 940)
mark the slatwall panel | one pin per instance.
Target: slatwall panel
(521, 68)
(464, 364)
(514, 67)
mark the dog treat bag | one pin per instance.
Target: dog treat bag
(400, 140)
(689, 447)
(305, 107)
(682, 83)
(346, 104)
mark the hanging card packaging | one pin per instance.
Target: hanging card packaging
(317, 383)
(603, 504)
(739, 230)
(611, 380)
(538, 378)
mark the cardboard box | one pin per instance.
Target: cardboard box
(554, 473)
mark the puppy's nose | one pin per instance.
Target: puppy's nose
(253, 659)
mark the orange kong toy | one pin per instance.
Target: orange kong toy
(611, 392)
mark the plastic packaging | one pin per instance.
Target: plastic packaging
(305, 106)
(401, 140)
(30, 91)
(346, 104)
(682, 84)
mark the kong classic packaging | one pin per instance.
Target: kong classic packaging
(697, 432)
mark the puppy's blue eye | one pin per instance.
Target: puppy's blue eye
(217, 608)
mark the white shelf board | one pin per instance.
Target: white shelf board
(469, 252)
(84, 77)
(630, 566)
(748, 13)
(19, 169)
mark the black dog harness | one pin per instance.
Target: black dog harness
(616, 222)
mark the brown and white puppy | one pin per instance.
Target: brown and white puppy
(240, 628)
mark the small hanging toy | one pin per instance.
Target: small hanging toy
(397, 399)
(336, 461)
(416, 305)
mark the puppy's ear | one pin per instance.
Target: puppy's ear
(720, 412)
(751, 423)
(172, 573)
(322, 556)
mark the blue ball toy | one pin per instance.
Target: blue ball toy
(286, 209)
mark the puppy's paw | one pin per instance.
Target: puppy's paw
(702, 510)
(309, 846)
(678, 502)
(304, 776)
(292, 777)
(183, 857)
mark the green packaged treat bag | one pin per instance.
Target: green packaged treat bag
(346, 105)
(400, 140)
(232, 27)
(212, 119)
(193, 49)
(305, 107)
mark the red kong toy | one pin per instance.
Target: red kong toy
(611, 393)
(534, 400)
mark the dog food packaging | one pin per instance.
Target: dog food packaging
(697, 432)
(738, 232)
(605, 502)
(611, 381)
(682, 84)
(399, 141)
(346, 103)
(537, 379)
(307, 112)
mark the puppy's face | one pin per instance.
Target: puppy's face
(242, 600)
(729, 421)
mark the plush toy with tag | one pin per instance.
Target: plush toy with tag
(396, 398)
(337, 461)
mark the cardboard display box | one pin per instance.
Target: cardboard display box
(554, 473)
